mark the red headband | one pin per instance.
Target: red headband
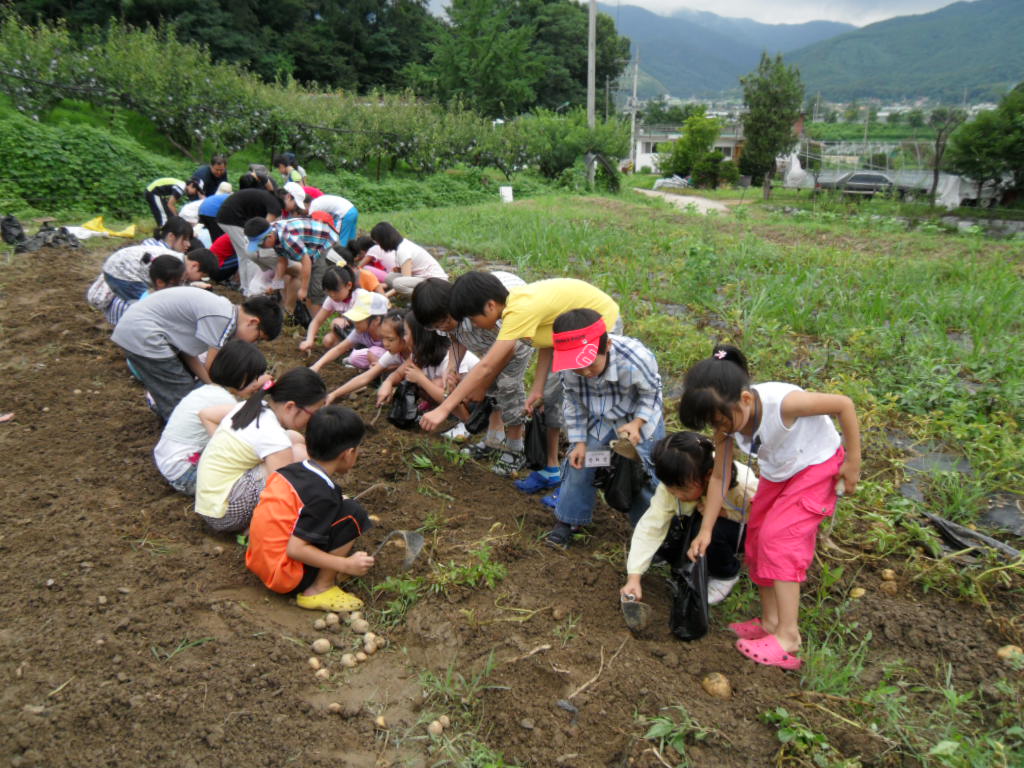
(577, 348)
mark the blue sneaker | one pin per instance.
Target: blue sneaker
(551, 500)
(535, 482)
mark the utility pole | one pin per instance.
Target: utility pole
(591, 84)
(633, 110)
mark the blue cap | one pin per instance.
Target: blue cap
(254, 242)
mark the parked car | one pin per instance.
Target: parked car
(866, 183)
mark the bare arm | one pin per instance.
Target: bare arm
(356, 564)
(356, 383)
(540, 377)
(314, 326)
(332, 354)
(480, 378)
(720, 476)
(199, 370)
(211, 417)
(798, 404)
(305, 270)
(275, 461)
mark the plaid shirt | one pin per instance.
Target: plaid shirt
(628, 388)
(296, 237)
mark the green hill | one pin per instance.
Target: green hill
(973, 49)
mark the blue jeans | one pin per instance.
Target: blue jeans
(129, 290)
(347, 227)
(577, 493)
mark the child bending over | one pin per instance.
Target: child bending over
(341, 295)
(612, 390)
(801, 459)
(304, 530)
(234, 375)
(364, 341)
(683, 463)
(254, 440)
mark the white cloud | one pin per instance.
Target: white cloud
(859, 12)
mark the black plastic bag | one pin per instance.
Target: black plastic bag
(620, 482)
(404, 412)
(536, 441)
(689, 584)
(302, 314)
(11, 231)
(480, 416)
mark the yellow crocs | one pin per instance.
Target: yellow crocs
(333, 599)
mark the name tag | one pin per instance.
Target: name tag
(597, 459)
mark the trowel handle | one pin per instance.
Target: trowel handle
(840, 487)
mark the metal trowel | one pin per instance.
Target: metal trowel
(637, 615)
(413, 546)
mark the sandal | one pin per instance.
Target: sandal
(766, 650)
(748, 630)
(333, 599)
(535, 482)
(560, 536)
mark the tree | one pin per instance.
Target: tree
(484, 62)
(977, 149)
(895, 118)
(915, 118)
(699, 134)
(773, 95)
(944, 120)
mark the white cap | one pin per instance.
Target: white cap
(295, 189)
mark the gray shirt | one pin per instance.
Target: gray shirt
(173, 320)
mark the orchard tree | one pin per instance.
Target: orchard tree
(978, 149)
(699, 134)
(944, 120)
(773, 95)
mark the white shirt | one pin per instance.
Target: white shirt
(423, 264)
(785, 451)
(185, 435)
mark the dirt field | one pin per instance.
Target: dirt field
(132, 636)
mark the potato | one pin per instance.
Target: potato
(380, 722)
(857, 592)
(397, 542)
(716, 684)
(322, 674)
(360, 626)
(888, 575)
(444, 720)
(355, 615)
(435, 728)
(332, 619)
(348, 660)
(361, 657)
(314, 662)
(319, 625)
(370, 648)
(321, 645)
(889, 587)
(1009, 653)
(334, 707)
(369, 637)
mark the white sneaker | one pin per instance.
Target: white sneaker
(719, 589)
(458, 433)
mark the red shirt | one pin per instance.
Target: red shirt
(222, 249)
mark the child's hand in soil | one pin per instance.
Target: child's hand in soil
(385, 393)
(359, 563)
(632, 587)
(305, 345)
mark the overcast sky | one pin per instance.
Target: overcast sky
(859, 12)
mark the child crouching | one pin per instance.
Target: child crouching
(683, 462)
(303, 530)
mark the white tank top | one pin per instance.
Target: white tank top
(784, 451)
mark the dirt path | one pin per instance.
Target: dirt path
(702, 204)
(132, 636)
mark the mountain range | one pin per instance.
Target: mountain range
(973, 50)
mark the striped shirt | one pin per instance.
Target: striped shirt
(628, 388)
(298, 237)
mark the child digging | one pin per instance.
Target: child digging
(303, 529)
(801, 459)
(612, 390)
(683, 463)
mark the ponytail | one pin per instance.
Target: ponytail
(712, 387)
(428, 348)
(303, 386)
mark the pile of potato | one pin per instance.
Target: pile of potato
(332, 622)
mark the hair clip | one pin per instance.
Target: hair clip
(720, 354)
(267, 384)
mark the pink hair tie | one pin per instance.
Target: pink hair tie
(720, 354)
(267, 384)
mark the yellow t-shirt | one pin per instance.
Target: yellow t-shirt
(531, 309)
